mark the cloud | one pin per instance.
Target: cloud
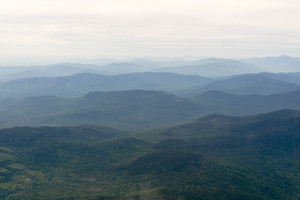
(96, 28)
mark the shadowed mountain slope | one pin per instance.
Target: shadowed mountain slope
(126, 109)
(232, 104)
(256, 157)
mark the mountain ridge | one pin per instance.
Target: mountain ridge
(80, 84)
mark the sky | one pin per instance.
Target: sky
(41, 31)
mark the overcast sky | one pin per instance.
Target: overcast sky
(39, 30)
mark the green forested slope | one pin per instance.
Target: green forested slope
(256, 157)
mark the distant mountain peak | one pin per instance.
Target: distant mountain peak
(285, 56)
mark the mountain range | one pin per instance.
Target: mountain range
(165, 129)
(255, 157)
(238, 105)
(125, 109)
(276, 64)
(210, 67)
(80, 84)
(213, 67)
(247, 84)
(184, 85)
(136, 109)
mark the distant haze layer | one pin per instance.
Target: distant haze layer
(50, 31)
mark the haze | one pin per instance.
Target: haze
(39, 32)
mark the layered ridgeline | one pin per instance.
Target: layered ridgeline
(276, 64)
(213, 67)
(263, 83)
(80, 84)
(238, 105)
(123, 109)
(205, 67)
(8, 73)
(136, 109)
(215, 157)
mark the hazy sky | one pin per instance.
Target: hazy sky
(38, 30)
